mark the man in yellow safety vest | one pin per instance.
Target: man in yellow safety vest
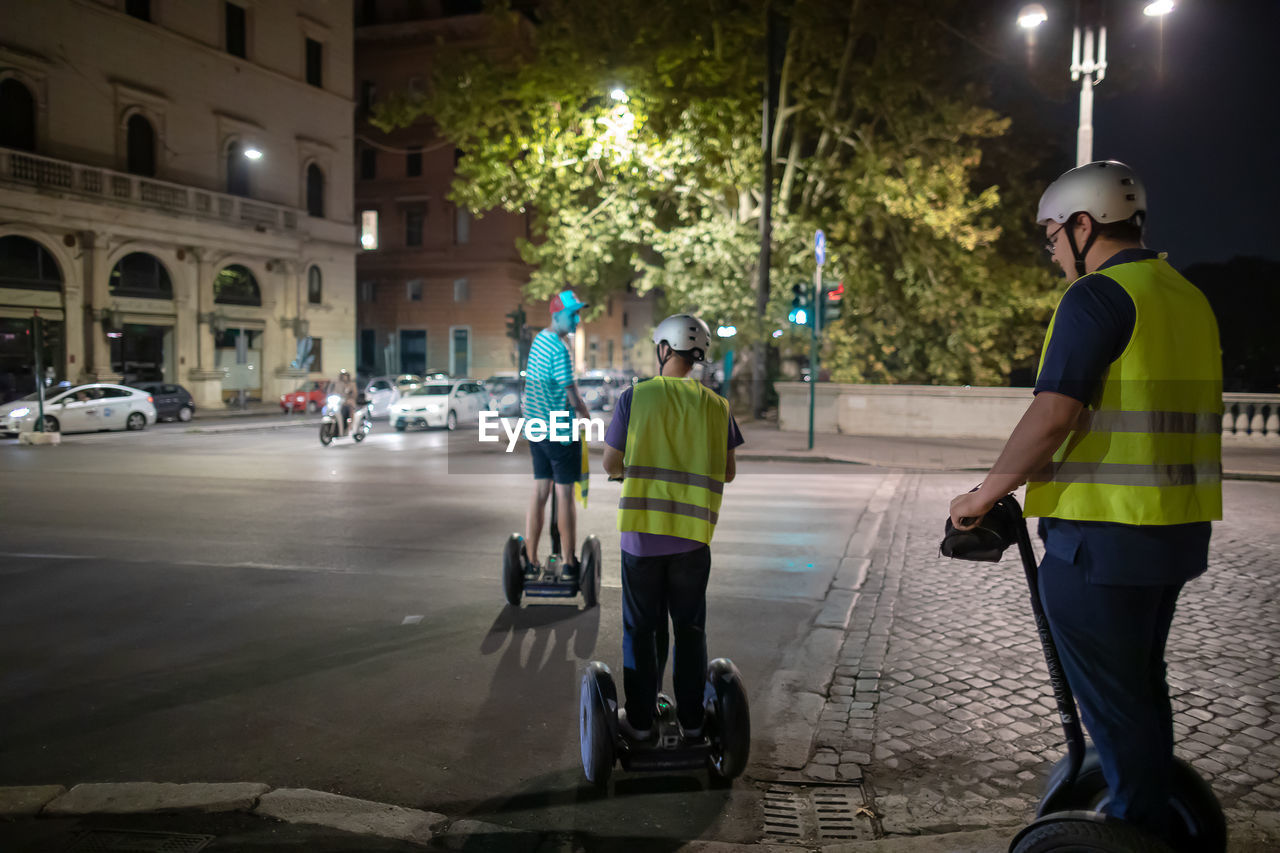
(672, 441)
(1121, 453)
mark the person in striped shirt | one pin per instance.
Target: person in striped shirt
(549, 388)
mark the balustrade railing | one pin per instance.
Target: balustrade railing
(106, 184)
(1251, 416)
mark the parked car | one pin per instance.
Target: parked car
(441, 404)
(173, 402)
(83, 408)
(599, 391)
(308, 398)
(504, 393)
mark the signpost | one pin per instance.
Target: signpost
(820, 256)
(37, 339)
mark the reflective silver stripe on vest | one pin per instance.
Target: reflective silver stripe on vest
(1124, 474)
(1115, 420)
(674, 507)
(646, 472)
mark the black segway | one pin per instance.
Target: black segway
(519, 578)
(1071, 813)
(722, 749)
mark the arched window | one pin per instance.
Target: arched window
(17, 116)
(27, 265)
(142, 275)
(315, 191)
(140, 145)
(235, 285)
(237, 170)
(315, 293)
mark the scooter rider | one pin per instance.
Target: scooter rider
(549, 388)
(673, 440)
(344, 387)
(1121, 453)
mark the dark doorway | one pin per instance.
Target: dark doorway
(17, 116)
(413, 351)
(237, 170)
(137, 353)
(141, 146)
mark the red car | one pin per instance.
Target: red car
(310, 397)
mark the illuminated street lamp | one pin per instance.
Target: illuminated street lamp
(252, 153)
(1087, 67)
(1032, 16)
(727, 331)
(619, 94)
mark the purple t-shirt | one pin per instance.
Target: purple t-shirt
(652, 544)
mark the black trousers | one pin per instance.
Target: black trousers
(652, 588)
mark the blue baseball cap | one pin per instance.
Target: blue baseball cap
(566, 300)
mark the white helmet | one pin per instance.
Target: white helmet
(1107, 190)
(684, 333)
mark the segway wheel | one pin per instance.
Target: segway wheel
(1198, 821)
(589, 580)
(729, 720)
(597, 722)
(1086, 836)
(513, 569)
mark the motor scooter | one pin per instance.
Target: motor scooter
(331, 424)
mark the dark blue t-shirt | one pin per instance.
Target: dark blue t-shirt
(1091, 328)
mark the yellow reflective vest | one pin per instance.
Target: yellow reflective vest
(1148, 449)
(674, 462)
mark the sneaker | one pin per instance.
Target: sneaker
(630, 733)
(569, 572)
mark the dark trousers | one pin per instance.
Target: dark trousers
(1111, 640)
(652, 588)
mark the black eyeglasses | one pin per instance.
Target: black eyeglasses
(1052, 243)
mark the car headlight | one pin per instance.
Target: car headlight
(20, 413)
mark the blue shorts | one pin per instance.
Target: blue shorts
(555, 461)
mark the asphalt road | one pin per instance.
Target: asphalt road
(251, 606)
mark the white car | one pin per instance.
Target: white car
(441, 404)
(383, 392)
(83, 408)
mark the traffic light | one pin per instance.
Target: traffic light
(832, 300)
(801, 311)
(515, 324)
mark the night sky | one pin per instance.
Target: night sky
(1199, 121)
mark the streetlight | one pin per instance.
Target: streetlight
(252, 153)
(727, 331)
(1087, 67)
(619, 94)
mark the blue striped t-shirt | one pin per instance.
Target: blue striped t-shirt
(547, 376)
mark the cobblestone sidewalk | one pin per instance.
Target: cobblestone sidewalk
(942, 702)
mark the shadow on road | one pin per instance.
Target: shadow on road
(542, 649)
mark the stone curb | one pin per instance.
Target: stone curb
(213, 430)
(137, 797)
(774, 456)
(27, 801)
(366, 817)
(363, 817)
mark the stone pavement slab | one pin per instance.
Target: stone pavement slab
(140, 797)
(951, 719)
(20, 801)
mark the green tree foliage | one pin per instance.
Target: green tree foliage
(879, 140)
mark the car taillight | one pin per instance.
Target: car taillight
(150, 399)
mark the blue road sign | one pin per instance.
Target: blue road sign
(820, 247)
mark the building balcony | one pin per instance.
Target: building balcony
(106, 185)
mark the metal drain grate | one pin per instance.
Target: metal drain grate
(801, 814)
(128, 841)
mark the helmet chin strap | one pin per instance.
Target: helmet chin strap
(662, 362)
(1079, 253)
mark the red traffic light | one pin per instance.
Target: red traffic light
(836, 294)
